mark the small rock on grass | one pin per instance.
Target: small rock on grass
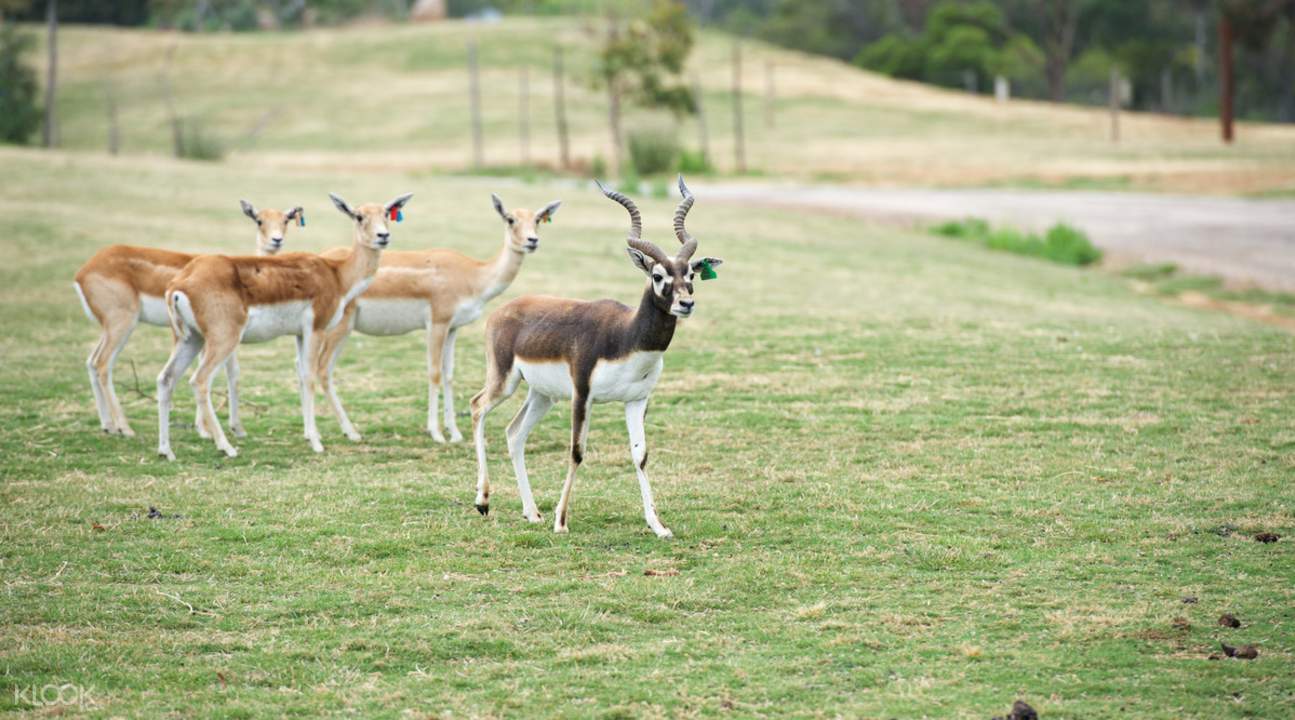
(1245, 652)
(1229, 620)
(1267, 537)
(1020, 711)
(1190, 600)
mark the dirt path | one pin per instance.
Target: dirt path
(1242, 240)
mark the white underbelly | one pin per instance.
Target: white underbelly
(266, 322)
(391, 316)
(622, 380)
(152, 310)
(467, 312)
(625, 379)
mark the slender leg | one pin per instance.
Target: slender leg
(436, 333)
(519, 429)
(447, 382)
(635, 413)
(199, 424)
(579, 430)
(182, 354)
(329, 353)
(106, 423)
(219, 346)
(497, 390)
(116, 333)
(306, 351)
(232, 373)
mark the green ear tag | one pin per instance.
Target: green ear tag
(707, 272)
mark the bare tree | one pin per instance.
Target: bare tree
(49, 131)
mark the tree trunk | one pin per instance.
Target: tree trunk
(1227, 90)
(114, 135)
(703, 136)
(1059, 21)
(614, 120)
(49, 131)
(739, 138)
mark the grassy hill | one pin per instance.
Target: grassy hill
(908, 477)
(397, 95)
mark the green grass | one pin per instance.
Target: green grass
(908, 478)
(314, 100)
(1061, 244)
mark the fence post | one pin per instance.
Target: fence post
(769, 95)
(1115, 104)
(524, 114)
(560, 107)
(474, 100)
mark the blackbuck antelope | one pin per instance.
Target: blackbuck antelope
(217, 301)
(587, 352)
(438, 291)
(122, 286)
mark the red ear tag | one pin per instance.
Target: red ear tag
(397, 215)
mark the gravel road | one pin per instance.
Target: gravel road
(1246, 241)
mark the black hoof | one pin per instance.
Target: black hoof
(483, 509)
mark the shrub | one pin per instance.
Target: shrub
(653, 151)
(694, 162)
(1062, 244)
(198, 143)
(19, 114)
(1069, 246)
(598, 168)
(971, 228)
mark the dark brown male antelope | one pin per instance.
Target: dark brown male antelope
(587, 352)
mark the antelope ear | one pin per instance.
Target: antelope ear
(641, 261)
(248, 210)
(499, 206)
(697, 264)
(547, 213)
(293, 213)
(399, 202)
(340, 204)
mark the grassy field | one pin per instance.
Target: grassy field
(403, 90)
(908, 477)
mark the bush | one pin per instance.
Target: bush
(1069, 246)
(1062, 244)
(694, 162)
(19, 114)
(198, 143)
(970, 228)
(653, 151)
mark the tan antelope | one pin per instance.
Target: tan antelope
(217, 301)
(587, 352)
(123, 285)
(438, 291)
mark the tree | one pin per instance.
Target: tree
(49, 131)
(1060, 19)
(643, 61)
(19, 114)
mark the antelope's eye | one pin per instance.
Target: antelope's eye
(656, 278)
(511, 221)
